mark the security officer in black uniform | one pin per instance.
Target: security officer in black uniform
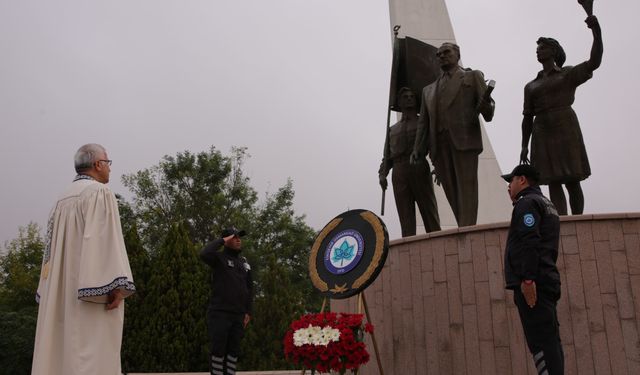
(530, 267)
(231, 299)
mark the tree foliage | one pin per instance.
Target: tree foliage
(19, 275)
(173, 331)
(135, 321)
(16, 341)
(20, 269)
(207, 191)
(179, 205)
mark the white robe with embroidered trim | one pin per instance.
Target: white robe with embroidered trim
(85, 259)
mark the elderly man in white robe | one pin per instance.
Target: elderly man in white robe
(85, 276)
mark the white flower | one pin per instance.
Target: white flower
(332, 334)
(301, 336)
(315, 335)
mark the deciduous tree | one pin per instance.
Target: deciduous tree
(20, 264)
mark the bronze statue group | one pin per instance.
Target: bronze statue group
(445, 126)
(447, 129)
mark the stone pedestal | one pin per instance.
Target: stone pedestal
(439, 305)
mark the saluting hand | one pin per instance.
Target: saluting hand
(228, 238)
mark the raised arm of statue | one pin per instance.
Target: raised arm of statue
(597, 48)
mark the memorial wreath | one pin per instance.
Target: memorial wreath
(328, 341)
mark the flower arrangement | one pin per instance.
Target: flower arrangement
(328, 341)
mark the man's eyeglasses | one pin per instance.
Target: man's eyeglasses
(107, 161)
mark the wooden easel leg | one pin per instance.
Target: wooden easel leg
(324, 303)
(373, 336)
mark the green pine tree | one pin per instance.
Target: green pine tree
(173, 337)
(133, 341)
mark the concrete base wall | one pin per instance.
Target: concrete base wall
(439, 306)
(206, 373)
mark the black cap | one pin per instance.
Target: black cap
(231, 231)
(523, 170)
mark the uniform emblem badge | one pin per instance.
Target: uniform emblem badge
(230, 263)
(529, 220)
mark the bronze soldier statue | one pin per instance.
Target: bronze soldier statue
(411, 182)
(449, 131)
(557, 147)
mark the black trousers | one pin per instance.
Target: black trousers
(226, 331)
(542, 330)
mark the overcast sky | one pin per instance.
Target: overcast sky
(303, 84)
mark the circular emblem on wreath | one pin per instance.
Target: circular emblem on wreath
(348, 254)
(344, 252)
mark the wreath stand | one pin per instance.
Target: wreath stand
(354, 229)
(362, 302)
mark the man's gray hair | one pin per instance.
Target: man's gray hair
(87, 155)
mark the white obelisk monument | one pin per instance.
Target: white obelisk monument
(428, 21)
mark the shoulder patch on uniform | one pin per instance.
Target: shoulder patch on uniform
(529, 220)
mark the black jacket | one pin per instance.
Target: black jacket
(532, 244)
(231, 283)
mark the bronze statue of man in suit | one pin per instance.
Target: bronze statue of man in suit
(449, 131)
(411, 181)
